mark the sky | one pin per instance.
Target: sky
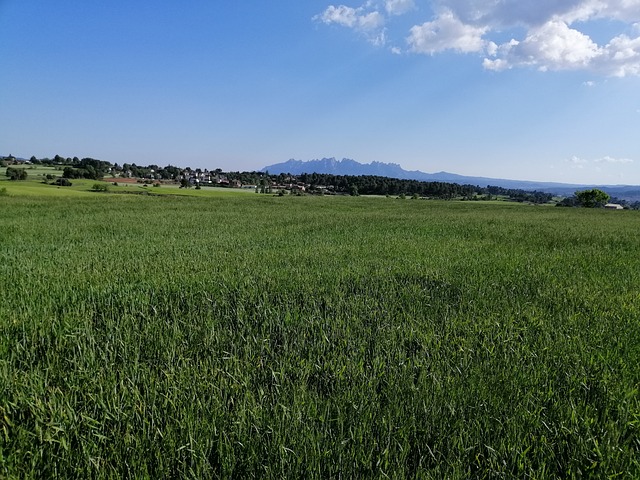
(545, 90)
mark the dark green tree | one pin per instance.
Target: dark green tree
(16, 173)
(592, 198)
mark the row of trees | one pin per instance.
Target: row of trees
(88, 168)
(376, 185)
(518, 195)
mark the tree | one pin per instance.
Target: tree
(70, 172)
(62, 182)
(16, 173)
(100, 187)
(592, 198)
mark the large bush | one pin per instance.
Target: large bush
(16, 173)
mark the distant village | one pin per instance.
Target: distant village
(306, 183)
(187, 177)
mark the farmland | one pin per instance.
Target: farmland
(254, 336)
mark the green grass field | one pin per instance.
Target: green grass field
(251, 336)
(38, 185)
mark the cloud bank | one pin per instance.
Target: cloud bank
(548, 35)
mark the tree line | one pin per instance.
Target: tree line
(94, 169)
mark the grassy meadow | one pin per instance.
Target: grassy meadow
(252, 336)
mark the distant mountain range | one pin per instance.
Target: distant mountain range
(393, 170)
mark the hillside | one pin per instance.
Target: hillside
(393, 170)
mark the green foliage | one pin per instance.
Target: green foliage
(3, 192)
(16, 173)
(62, 182)
(100, 187)
(88, 168)
(592, 198)
(354, 338)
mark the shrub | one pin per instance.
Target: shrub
(62, 182)
(16, 173)
(100, 187)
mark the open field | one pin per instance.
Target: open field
(34, 186)
(251, 336)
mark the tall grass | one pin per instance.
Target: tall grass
(268, 337)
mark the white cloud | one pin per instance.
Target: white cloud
(398, 7)
(608, 159)
(528, 13)
(578, 162)
(552, 46)
(368, 23)
(622, 10)
(556, 46)
(342, 15)
(620, 57)
(446, 33)
(549, 35)
(351, 17)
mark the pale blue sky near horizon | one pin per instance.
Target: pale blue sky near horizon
(544, 91)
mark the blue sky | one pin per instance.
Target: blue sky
(543, 90)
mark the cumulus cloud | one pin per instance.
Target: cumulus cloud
(551, 46)
(620, 57)
(369, 23)
(446, 33)
(351, 17)
(549, 35)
